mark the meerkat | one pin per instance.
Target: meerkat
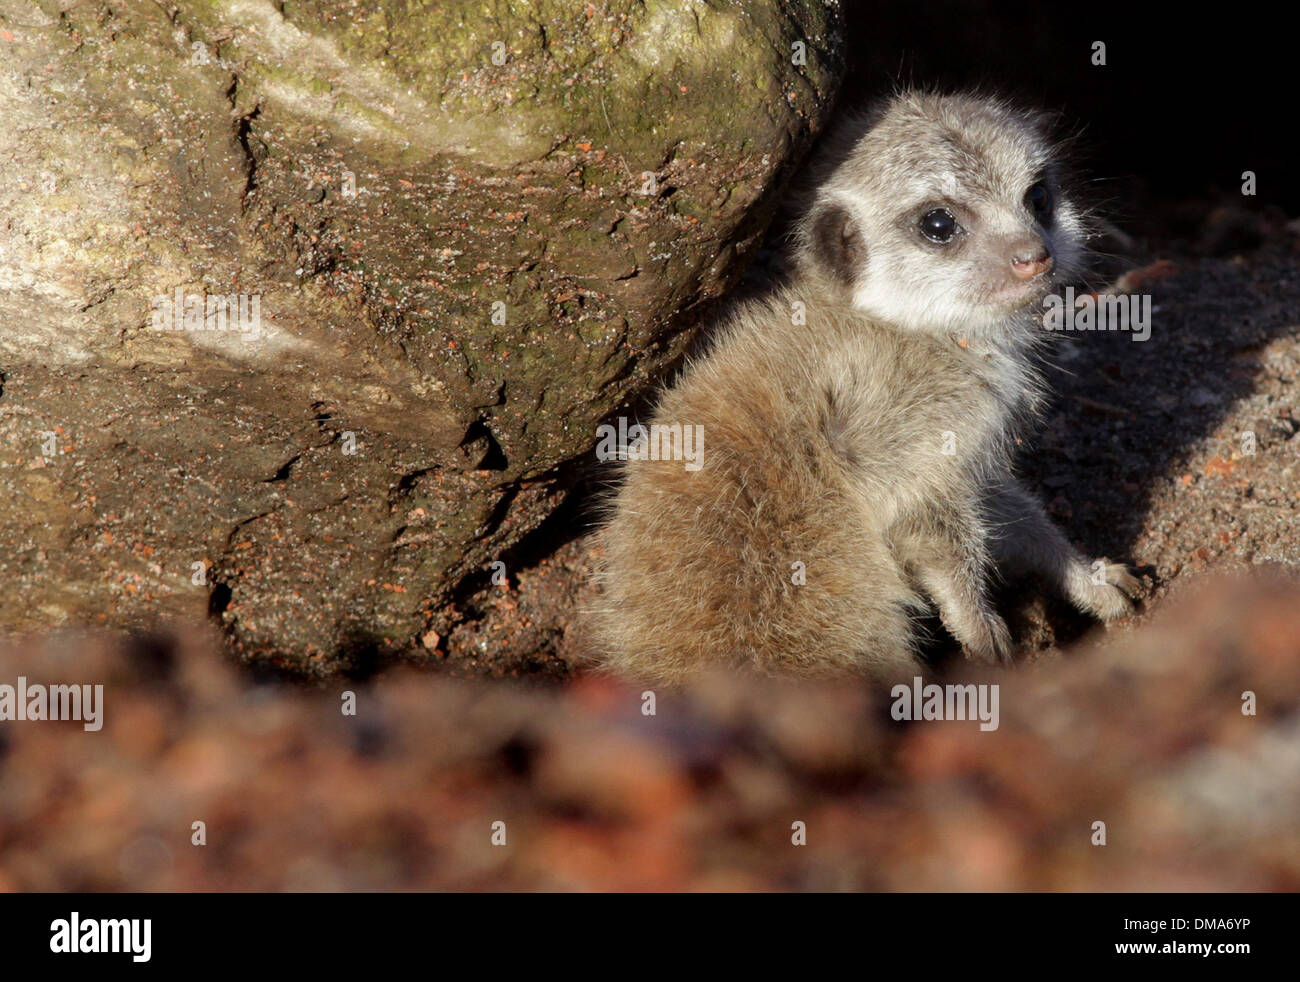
(856, 426)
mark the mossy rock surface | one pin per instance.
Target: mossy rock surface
(474, 230)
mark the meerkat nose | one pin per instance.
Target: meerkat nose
(1037, 262)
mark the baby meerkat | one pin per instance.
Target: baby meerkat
(858, 424)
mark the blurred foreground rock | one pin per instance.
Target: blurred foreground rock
(1145, 734)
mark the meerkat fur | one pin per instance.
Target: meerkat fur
(859, 421)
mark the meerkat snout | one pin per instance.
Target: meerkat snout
(1029, 263)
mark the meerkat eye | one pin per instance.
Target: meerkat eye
(938, 225)
(1039, 200)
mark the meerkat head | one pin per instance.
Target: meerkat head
(943, 213)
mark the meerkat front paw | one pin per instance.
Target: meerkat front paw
(1104, 589)
(989, 640)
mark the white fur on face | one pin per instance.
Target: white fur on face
(978, 163)
(915, 303)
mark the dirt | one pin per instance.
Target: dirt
(1175, 729)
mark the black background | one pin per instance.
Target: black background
(642, 936)
(1191, 95)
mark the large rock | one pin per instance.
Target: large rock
(471, 230)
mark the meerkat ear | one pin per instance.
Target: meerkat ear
(837, 243)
